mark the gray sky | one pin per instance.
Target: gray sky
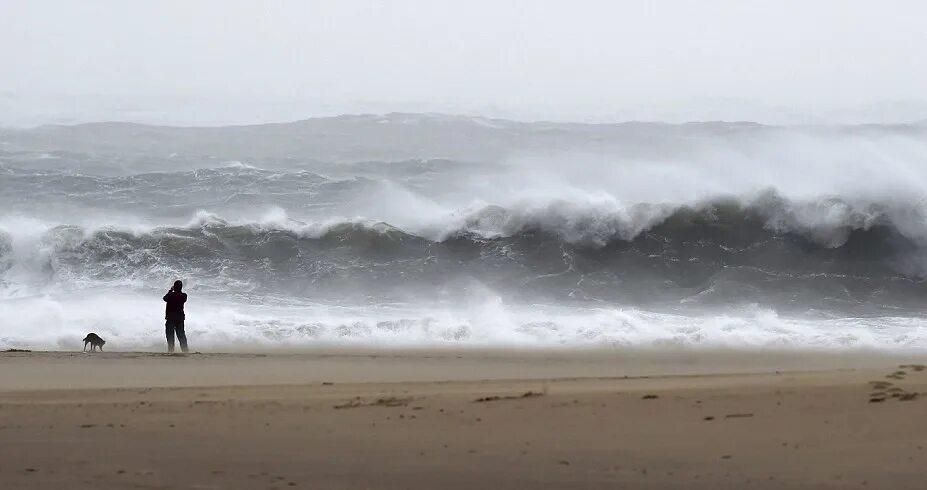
(258, 60)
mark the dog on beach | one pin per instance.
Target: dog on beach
(94, 341)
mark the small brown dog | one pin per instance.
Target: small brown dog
(95, 342)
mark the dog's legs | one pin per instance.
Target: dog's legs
(85, 346)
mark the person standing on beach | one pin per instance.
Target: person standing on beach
(174, 316)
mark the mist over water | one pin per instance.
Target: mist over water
(418, 230)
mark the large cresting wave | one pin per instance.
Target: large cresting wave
(767, 250)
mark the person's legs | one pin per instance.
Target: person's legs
(181, 335)
(169, 332)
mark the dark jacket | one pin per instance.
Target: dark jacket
(174, 308)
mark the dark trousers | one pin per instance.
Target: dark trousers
(171, 326)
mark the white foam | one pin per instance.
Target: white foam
(132, 321)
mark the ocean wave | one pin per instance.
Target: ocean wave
(826, 223)
(728, 224)
(825, 253)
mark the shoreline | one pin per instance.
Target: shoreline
(37, 370)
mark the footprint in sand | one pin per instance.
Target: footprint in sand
(897, 375)
(886, 390)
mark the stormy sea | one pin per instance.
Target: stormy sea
(406, 230)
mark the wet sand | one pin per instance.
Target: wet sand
(441, 419)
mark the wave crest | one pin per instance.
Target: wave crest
(767, 249)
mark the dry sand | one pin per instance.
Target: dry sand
(448, 420)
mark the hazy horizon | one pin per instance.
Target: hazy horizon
(30, 112)
(220, 63)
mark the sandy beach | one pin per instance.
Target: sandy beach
(437, 419)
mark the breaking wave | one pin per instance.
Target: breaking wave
(767, 250)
